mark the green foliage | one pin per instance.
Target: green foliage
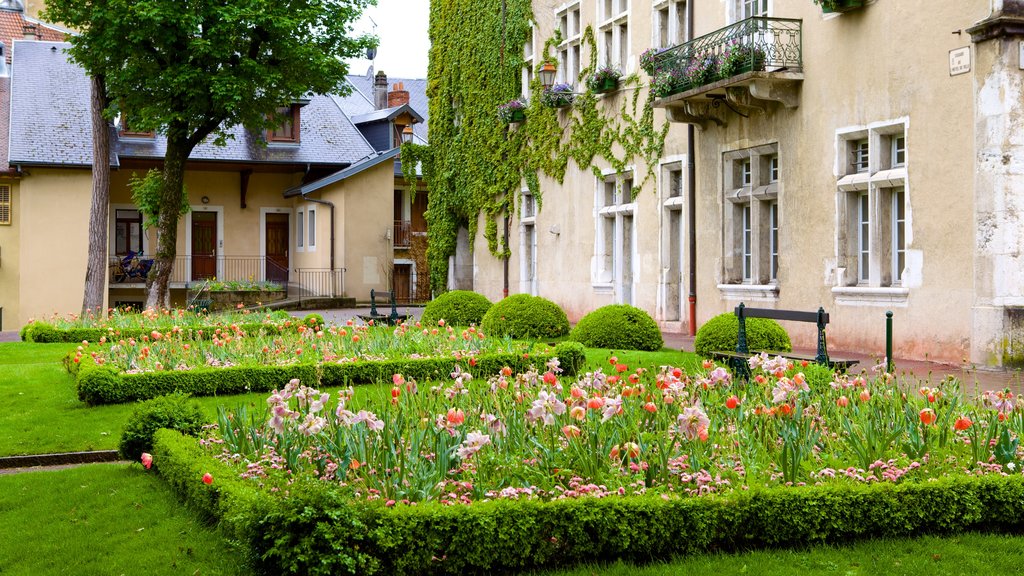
(174, 411)
(313, 320)
(457, 308)
(525, 316)
(720, 334)
(618, 326)
(572, 356)
(477, 164)
(104, 385)
(314, 531)
(146, 195)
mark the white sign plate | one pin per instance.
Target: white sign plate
(960, 61)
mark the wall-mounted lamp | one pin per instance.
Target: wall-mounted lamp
(205, 199)
(407, 134)
(547, 75)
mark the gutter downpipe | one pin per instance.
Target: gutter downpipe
(334, 283)
(691, 200)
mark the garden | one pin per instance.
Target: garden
(522, 444)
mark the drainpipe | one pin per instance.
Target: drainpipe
(334, 284)
(691, 200)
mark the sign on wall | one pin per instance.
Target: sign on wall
(960, 61)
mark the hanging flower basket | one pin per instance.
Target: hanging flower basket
(558, 96)
(512, 111)
(604, 80)
(829, 6)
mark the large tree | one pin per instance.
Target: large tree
(99, 211)
(193, 68)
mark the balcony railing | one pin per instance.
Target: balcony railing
(763, 56)
(189, 269)
(403, 233)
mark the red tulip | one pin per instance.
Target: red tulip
(732, 402)
(842, 401)
(651, 407)
(207, 478)
(927, 416)
(962, 423)
(865, 396)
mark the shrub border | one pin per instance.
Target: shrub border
(316, 531)
(106, 385)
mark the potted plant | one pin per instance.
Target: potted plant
(650, 61)
(512, 111)
(828, 6)
(701, 70)
(669, 81)
(604, 80)
(558, 96)
(738, 58)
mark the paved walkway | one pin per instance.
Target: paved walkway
(910, 371)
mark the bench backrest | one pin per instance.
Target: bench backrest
(391, 299)
(820, 318)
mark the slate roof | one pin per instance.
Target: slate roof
(417, 88)
(387, 114)
(50, 122)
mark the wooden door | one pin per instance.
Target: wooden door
(204, 245)
(276, 262)
(402, 282)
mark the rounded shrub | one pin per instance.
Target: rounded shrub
(618, 326)
(314, 321)
(720, 333)
(174, 411)
(457, 308)
(525, 316)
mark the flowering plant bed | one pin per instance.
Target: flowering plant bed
(125, 323)
(629, 465)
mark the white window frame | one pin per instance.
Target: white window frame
(736, 10)
(300, 230)
(752, 191)
(530, 61)
(872, 266)
(674, 25)
(610, 215)
(671, 294)
(620, 53)
(569, 50)
(528, 243)
(311, 229)
(112, 228)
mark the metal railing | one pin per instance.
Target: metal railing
(403, 233)
(319, 282)
(189, 269)
(757, 43)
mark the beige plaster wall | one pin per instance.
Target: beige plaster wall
(883, 63)
(10, 262)
(54, 216)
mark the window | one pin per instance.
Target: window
(529, 50)
(299, 229)
(125, 128)
(673, 239)
(675, 182)
(5, 206)
(311, 226)
(569, 49)
(872, 244)
(615, 235)
(287, 128)
(751, 228)
(750, 8)
(127, 232)
(614, 34)
(528, 243)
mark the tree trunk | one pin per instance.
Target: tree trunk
(177, 153)
(97, 269)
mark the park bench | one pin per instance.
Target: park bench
(378, 318)
(738, 359)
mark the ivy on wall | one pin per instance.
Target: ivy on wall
(475, 164)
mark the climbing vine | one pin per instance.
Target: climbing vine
(475, 164)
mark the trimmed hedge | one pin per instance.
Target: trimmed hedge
(525, 316)
(721, 332)
(174, 411)
(457, 308)
(105, 385)
(315, 530)
(44, 333)
(618, 326)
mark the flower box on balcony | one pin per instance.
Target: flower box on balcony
(830, 6)
(604, 80)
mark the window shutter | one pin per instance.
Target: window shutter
(5, 205)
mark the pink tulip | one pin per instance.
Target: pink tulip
(147, 460)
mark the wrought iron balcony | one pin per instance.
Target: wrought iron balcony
(403, 233)
(742, 67)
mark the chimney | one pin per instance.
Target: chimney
(28, 32)
(4, 71)
(398, 95)
(380, 90)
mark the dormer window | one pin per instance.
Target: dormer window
(287, 130)
(126, 129)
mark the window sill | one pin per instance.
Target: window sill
(750, 292)
(603, 288)
(871, 296)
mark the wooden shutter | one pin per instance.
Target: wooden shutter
(5, 205)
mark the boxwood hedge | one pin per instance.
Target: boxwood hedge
(618, 326)
(315, 530)
(721, 332)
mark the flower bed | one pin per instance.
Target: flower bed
(125, 324)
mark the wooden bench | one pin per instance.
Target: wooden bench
(376, 317)
(738, 359)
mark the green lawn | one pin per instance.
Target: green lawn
(104, 519)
